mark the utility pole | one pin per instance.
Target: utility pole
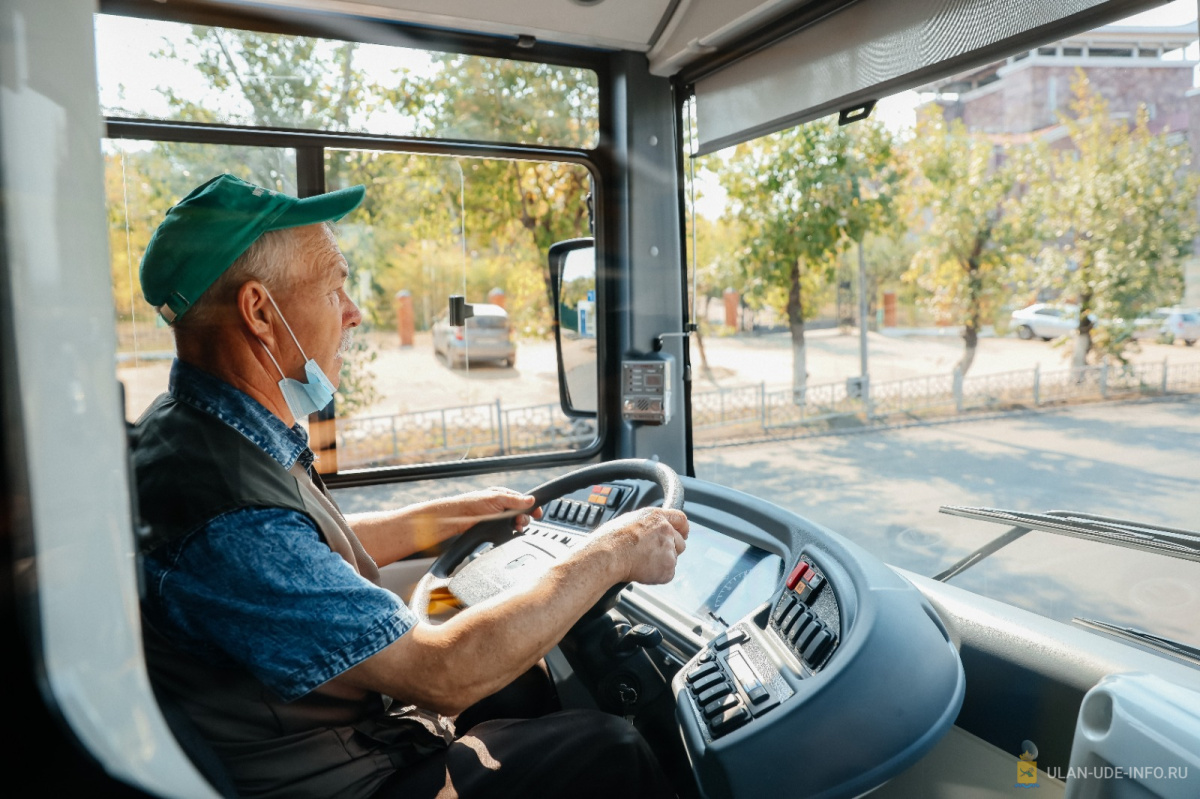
(865, 379)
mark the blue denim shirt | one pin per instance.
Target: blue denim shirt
(258, 586)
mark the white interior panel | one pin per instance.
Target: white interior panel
(880, 46)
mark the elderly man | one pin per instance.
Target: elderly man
(263, 615)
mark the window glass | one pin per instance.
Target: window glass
(997, 250)
(164, 70)
(416, 388)
(141, 181)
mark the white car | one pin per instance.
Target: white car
(1170, 325)
(1044, 321)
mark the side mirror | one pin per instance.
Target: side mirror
(573, 283)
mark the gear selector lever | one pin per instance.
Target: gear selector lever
(625, 640)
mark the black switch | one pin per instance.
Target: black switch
(720, 705)
(730, 720)
(726, 640)
(817, 647)
(701, 671)
(716, 692)
(790, 618)
(800, 627)
(786, 603)
(592, 515)
(708, 680)
(802, 641)
(758, 694)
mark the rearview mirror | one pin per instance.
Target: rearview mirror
(573, 282)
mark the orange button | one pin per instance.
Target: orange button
(596, 499)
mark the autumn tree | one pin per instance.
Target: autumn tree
(972, 236)
(490, 99)
(1121, 210)
(800, 197)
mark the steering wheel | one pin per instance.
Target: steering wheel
(499, 531)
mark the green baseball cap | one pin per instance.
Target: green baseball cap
(207, 230)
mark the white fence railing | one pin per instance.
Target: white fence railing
(725, 414)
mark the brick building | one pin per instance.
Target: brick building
(1024, 95)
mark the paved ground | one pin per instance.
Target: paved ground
(882, 489)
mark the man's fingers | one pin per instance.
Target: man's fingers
(680, 544)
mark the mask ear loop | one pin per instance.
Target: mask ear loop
(289, 329)
(282, 376)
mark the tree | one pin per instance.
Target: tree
(971, 231)
(469, 97)
(801, 197)
(1121, 206)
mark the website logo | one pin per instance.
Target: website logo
(1027, 773)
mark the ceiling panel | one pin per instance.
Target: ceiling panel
(620, 24)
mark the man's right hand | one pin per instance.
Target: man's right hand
(647, 543)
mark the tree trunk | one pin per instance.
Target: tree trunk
(974, 307)
(1083, 334)
(795, 312)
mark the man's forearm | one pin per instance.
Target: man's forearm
(389, 536)
(484, 648)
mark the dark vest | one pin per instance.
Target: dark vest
(191, 467)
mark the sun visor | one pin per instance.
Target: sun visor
(875, 48)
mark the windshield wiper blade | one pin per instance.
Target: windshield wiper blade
(1157, 642)
(1135, 535)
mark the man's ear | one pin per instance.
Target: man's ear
(252, 304)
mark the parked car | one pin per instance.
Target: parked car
(1045, 321)
(487, 336)
(1170, 325)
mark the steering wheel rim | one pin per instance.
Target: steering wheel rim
(498, 530)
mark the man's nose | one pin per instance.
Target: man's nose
(351, 315)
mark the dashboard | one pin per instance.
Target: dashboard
(803, 651)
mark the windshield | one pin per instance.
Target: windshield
(953, 303)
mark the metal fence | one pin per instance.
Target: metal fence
(477, 430)
(721, 415)
(728, 414)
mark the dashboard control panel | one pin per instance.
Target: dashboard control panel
(586, 509)
(806, 617)
(733, 681)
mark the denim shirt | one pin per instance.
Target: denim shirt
(258, 587)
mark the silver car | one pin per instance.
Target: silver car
(487, 336)
(1044, 321)
(1168, 325)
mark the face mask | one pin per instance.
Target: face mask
(307, 397)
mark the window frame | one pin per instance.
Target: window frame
(311, 145)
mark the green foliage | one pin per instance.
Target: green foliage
(972, 234)
(800, 197)
(356, 389)
(1120, 213)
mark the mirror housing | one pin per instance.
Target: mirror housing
(573, 284)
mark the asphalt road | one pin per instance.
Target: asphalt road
(882, 489)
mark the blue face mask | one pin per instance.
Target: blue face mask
(315, 392)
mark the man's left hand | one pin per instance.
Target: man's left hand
(460, 513)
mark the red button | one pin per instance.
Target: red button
(797, 574)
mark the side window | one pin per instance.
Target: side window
(414, 388)
(141, 181)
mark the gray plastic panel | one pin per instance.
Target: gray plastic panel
(886, 695)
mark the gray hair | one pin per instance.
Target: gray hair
(267, 261)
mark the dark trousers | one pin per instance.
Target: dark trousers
(516, 743)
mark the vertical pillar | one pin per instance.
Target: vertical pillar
(889, 309)
(733, 301)
(405, 320)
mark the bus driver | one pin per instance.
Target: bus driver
(263, 617)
